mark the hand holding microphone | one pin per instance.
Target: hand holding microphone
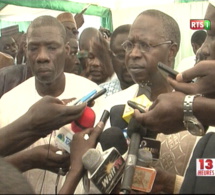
(86, 120)
(78, 146)
(65, 134)
(105, 168)
(81, 143)
(149, 149)
(88, 138)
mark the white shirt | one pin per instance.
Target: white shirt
(186, 63)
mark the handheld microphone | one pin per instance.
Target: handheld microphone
(113, 137)
(144, 176)
(65, 134)
(105, 169)
(134, 128)
(92, 159)
(144, 157)
(116, 119)
(86, 120)
(140, 102)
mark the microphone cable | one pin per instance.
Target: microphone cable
(60, 172)
(44, 175)
(57, 181)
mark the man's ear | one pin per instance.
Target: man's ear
(195, 47)
(172, 52)
(67, 48)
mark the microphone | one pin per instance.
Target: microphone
(113, 137)
(136, 127)
(134, 130)
(65, 134)
(104, 169)
(141, 100)
(86, 120)
(92, 159)
(144, 176)
(144, 157)
(116, 119)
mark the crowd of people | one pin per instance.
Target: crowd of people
(52, 65)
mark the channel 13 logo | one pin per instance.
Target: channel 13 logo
(205, 167)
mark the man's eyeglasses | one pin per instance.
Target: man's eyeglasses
(128, 46)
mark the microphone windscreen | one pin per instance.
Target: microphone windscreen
(116, 119)
(135, 127)
(92, 159)
(113, 137)
(86, 120)
(144, 157)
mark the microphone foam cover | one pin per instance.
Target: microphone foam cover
(144, 157)
(113, 137)
(86, 120)
(116, 119)
(135, 127)
(92, 159)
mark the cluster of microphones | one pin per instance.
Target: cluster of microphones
(128, 150)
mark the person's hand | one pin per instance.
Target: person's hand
(164, 182)
(80, 144)
(204, 71)
(21, 49)
(79, 19)
(165, 115)
(50, 113)
(45, 157)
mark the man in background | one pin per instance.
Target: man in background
(123, 80)
(97, 61)
(67, 19)
(8, 46)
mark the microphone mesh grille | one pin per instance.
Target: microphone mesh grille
(92, 159)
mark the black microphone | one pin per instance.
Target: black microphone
(113, 137)
(135, 129)
(116, 119)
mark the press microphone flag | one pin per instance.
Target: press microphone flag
(144, 175)
(129, 111)
(105, 169)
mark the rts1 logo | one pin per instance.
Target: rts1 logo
(200, 24)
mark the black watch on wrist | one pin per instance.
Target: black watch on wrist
(191, 123)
